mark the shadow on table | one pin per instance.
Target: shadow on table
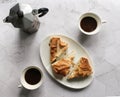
(87, 39)
(23, 35)
(84, 38)
(27, 93)
(24, 93)
(23, 41)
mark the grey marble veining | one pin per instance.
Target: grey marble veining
(19, 50)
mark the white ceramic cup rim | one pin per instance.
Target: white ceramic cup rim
(96, 17)
(27, 85)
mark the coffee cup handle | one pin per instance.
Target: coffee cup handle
(19, 86)
(103, 22)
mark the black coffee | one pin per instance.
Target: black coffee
(32, 76)
(88, 24)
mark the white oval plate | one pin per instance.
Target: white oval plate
(80, 52)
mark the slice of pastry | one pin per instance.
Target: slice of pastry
(62, 66)
(57, 48)
(83, 69)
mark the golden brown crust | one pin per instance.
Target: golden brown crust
(53, 48)
(83, 69)
(62, 67)
(57, 47)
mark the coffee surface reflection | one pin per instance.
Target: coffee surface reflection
(32, 76)
(88, 24)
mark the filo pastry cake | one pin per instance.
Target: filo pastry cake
(62, 66)
(57, 48)
(82, 69)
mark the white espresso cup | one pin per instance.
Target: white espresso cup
(31, 78)
(89, 23)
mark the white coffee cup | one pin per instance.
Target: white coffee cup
(24, 82)
(96, 18)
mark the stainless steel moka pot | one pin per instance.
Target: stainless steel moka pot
(24, 17)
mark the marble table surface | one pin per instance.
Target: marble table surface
(19, 50)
